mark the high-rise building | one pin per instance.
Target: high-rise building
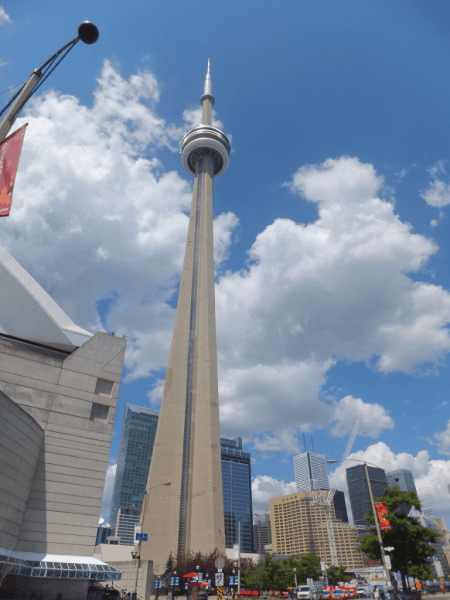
(237, 493)
(299, 527)
(310, 471)
(188, 514)
(135, 454)
(340, 506)
(358, 489)
(262, 532)
(403, 479)
(127, 519)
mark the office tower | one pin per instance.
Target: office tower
(358, 489)
(237, 493)
(103, 532)
(135, 454)
(403, 479)
(188, 515)
(340, 506)
(59, 386)
(311, 472)
(262, 532)
(299, 527)
(127, 519)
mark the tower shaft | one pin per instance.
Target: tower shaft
(188, 515)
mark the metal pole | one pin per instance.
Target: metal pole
(239, 560)
(295, 578)
(8, 121)
(377, 524)
(138, 561)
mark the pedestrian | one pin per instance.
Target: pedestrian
(376, 593)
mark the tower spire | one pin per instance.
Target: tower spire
(208, 80)
(207, 100)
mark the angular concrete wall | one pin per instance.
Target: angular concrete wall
(73, 398)
(21, 439)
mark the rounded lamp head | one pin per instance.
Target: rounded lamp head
(88, 32)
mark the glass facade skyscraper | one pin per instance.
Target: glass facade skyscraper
(358, 489)
(237, 493)
(402, 478)
(310, 471)
(135, 454)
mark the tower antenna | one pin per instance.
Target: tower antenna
(312, 441)
(304, 442)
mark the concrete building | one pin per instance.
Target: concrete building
(440, 561)
(262, 532)
(188, 514)
(299, 527)
(237, 493)
(403, 479)
(310, 471)
(135, 454)
(358, 489)
(58, 393)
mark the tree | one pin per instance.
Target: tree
(336, 574)
(410, 540)
(279, 574)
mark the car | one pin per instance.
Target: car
(363, 592)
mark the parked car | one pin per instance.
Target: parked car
(363, 592)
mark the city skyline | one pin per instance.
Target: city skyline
(332, 246)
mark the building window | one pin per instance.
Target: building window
(99, 412)
(104, 387)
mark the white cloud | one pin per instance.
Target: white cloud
(431, 476)
(265, 487)
(374, 417)
(437, 194)
(443, 438)
(4, 18)
(108, 491)
(335, 289)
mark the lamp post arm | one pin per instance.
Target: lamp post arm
(87, 33)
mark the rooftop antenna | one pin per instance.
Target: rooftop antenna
(304, 442)
(312, 441)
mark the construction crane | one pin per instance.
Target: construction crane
(325, 497)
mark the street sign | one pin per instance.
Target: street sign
(220, 563)
(141, 537)
(220, 579)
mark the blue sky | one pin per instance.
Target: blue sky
(333, 292)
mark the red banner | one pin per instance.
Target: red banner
(10, 150)
(382, 515)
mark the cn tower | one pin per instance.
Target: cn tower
(188, 514)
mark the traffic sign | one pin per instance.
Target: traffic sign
(220, 563)
(220, 579)
(219, 591)
(141, 537)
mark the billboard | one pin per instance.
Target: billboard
(382, 515)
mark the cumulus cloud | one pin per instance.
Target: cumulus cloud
(437, 194)
(108, 492)
(374, 417)
(265, 487)
(335, 289)
(431, 476)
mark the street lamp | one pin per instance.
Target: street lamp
(137, 554)
(375, 514)
(87, 33)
